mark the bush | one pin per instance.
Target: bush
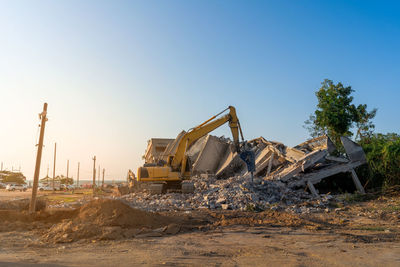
(65, 180)
(383, 156)
(13, 177)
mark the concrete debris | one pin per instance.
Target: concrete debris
(207, 153)
(237, 193)
(318, 164)
(303, 165)
(231, 164)
(353, 150)
(282, 174)
(121, 190)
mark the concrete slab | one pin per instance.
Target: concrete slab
(231, 164)
(353, 150)
(194, 150)
(210, 155)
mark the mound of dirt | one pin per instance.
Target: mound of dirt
(109, 212)
(106, 219)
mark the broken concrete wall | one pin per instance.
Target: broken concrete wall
(302, 157)
(293, 154)
(353, 150)
(210, 155)
(230, 164)
(302, 165)
(268, 159)
(194, 150)
(318, 143)
(318, 164)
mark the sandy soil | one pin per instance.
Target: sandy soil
(360, 234)
(231, 246)
(7, 195)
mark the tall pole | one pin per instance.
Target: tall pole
(94, 175)
(98, 177)
(102, 184)
(67, 168)
(1, 166)
(47, 175)
(54, 164)
(42, 116)
(77, 182)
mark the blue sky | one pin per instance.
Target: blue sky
(116, 73)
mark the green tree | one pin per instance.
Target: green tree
(12, 177)
(64, 180)
(335, 115)
(364, 125)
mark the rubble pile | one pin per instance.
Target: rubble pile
(236, 193)
(301, 166)
(69, 205)
(281, 178)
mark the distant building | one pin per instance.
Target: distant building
(155, 147)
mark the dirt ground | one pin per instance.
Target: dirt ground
(365, 233)
(9, 195)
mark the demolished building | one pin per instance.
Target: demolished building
(155, 148)
(282, 175)
(303, 165)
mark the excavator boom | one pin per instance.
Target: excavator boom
(179, 159)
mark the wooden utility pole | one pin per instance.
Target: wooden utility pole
(54, 164)
(42, 116)
(102, 184)
(94, 175)
(77, 182)
(98, 177)
(67, 168)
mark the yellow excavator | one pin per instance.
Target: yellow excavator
(169, 174)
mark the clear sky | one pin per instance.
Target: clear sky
(116, 73)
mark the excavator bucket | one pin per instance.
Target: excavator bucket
(248, 157)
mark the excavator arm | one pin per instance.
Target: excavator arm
(174, 170)
(179, 160)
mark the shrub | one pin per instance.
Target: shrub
(383, 156)
(13, 177)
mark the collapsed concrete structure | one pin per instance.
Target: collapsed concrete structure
(282, 174)
(301, 166)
